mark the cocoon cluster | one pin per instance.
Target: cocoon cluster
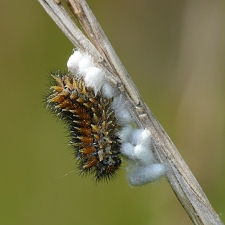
(142, 165)
(82, 66)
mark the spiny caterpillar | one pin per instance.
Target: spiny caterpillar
(91, 122)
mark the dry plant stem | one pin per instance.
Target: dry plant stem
(182, 181)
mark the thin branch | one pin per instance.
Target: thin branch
(181, 179)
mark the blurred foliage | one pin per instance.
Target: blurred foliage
(175, 53)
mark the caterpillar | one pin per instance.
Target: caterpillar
(92, 125)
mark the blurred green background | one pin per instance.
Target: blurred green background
(175, 53)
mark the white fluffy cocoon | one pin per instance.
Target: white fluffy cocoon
(147, 174)
(127, 149)
(124, 133)
(123, 116)
(73, 62)
(137, 143)
(140, 137)
(141, 140)
(82, 65)
(121, 113)
(107, 90)
(140, 154)
(94, 78)
(85, 64)
(143, 154)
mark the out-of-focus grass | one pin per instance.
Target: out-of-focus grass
(175, 53)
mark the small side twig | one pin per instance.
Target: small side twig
(181, 179)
